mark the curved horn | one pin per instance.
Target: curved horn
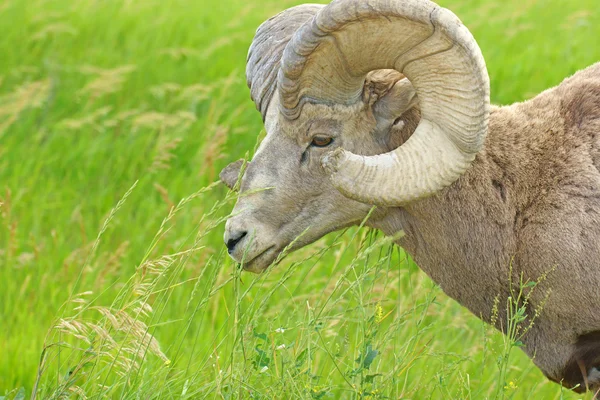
(327, 60)
(267, 47)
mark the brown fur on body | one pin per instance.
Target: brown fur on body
(531, 200)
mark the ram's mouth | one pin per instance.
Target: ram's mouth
(262, 261)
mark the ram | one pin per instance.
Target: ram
(386, 103)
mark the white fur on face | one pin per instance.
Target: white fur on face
(271, 122)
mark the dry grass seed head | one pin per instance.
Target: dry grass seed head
(107, 81)
(214, 150)
(164, 155)
(53, 29)
(28, 95)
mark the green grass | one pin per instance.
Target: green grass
(97, 97)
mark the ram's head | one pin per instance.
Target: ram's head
(365, 102)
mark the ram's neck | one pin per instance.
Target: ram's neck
(464, 237)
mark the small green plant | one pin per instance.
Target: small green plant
(519, 316)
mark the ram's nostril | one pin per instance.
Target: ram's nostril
(234, 240)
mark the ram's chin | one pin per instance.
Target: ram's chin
(261, 262)
(277, 252)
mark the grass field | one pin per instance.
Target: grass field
(111, 113)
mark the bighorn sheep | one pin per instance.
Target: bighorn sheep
(480, 191)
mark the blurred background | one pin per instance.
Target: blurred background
(111, 113)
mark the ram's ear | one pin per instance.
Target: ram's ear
(399, 99)
(231, 174)
(389, 94)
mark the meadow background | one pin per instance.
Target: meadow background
(112, 286)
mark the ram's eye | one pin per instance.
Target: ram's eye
(321, 141)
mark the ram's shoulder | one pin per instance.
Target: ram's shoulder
(580, 97)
